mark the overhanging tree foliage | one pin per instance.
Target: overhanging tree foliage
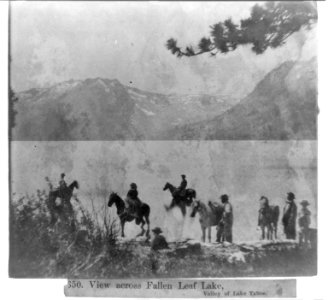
(269, 25)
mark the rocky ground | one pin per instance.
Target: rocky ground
(191, 258)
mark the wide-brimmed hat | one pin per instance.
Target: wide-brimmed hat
(224, 197)
(305, 203)
(290, 194)
(133, 185)
(266, 200)
(157, 230)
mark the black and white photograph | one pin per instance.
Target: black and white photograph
(163, 139)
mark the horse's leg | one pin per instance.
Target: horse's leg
(173, 203)
(263, 232)
(148, 226)
(209, 228)
(203, 234)
(183, 210)
(122, 227)
(272, 231)
(268, 232)
(142, 228)
(52, 217)
(51, 208)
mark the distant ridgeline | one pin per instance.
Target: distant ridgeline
(282, 106)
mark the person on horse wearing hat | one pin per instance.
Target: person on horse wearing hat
(289, 217)
(304, 221)
(62, 185)
(133, 200)
(159, 241)
(181, 190)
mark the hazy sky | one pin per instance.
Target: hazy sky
(57, 41)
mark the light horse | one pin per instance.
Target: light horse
(208, 216)
(143, 214)
(65, 206)
(268, 219)
(181, 201)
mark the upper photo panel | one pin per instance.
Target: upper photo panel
(108, 71)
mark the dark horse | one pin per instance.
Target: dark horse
(180, 201)
(143, 214)
(65, 206)
(268, 219)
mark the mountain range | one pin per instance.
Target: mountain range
(282, 106)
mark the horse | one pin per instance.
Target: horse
(180, 201)
(208, 216)
(65, 206)
(268, 219)
(143, 214)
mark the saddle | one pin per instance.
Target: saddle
(61, 192)
(132, 205)
(214, 206)
(179, 193)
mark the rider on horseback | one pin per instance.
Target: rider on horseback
(180, 194)
(62, 185)
(181, 190)
(132, 200)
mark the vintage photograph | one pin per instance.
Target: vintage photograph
(162, 139)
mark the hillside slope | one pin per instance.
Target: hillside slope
(282, 106)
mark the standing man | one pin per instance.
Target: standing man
(304, 222)
(289, 217)
(224, 232)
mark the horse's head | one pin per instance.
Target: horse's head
(195, 208)
(74, 184)
(264, 202)
(191, 193)
(111, 199)
(166, 186)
